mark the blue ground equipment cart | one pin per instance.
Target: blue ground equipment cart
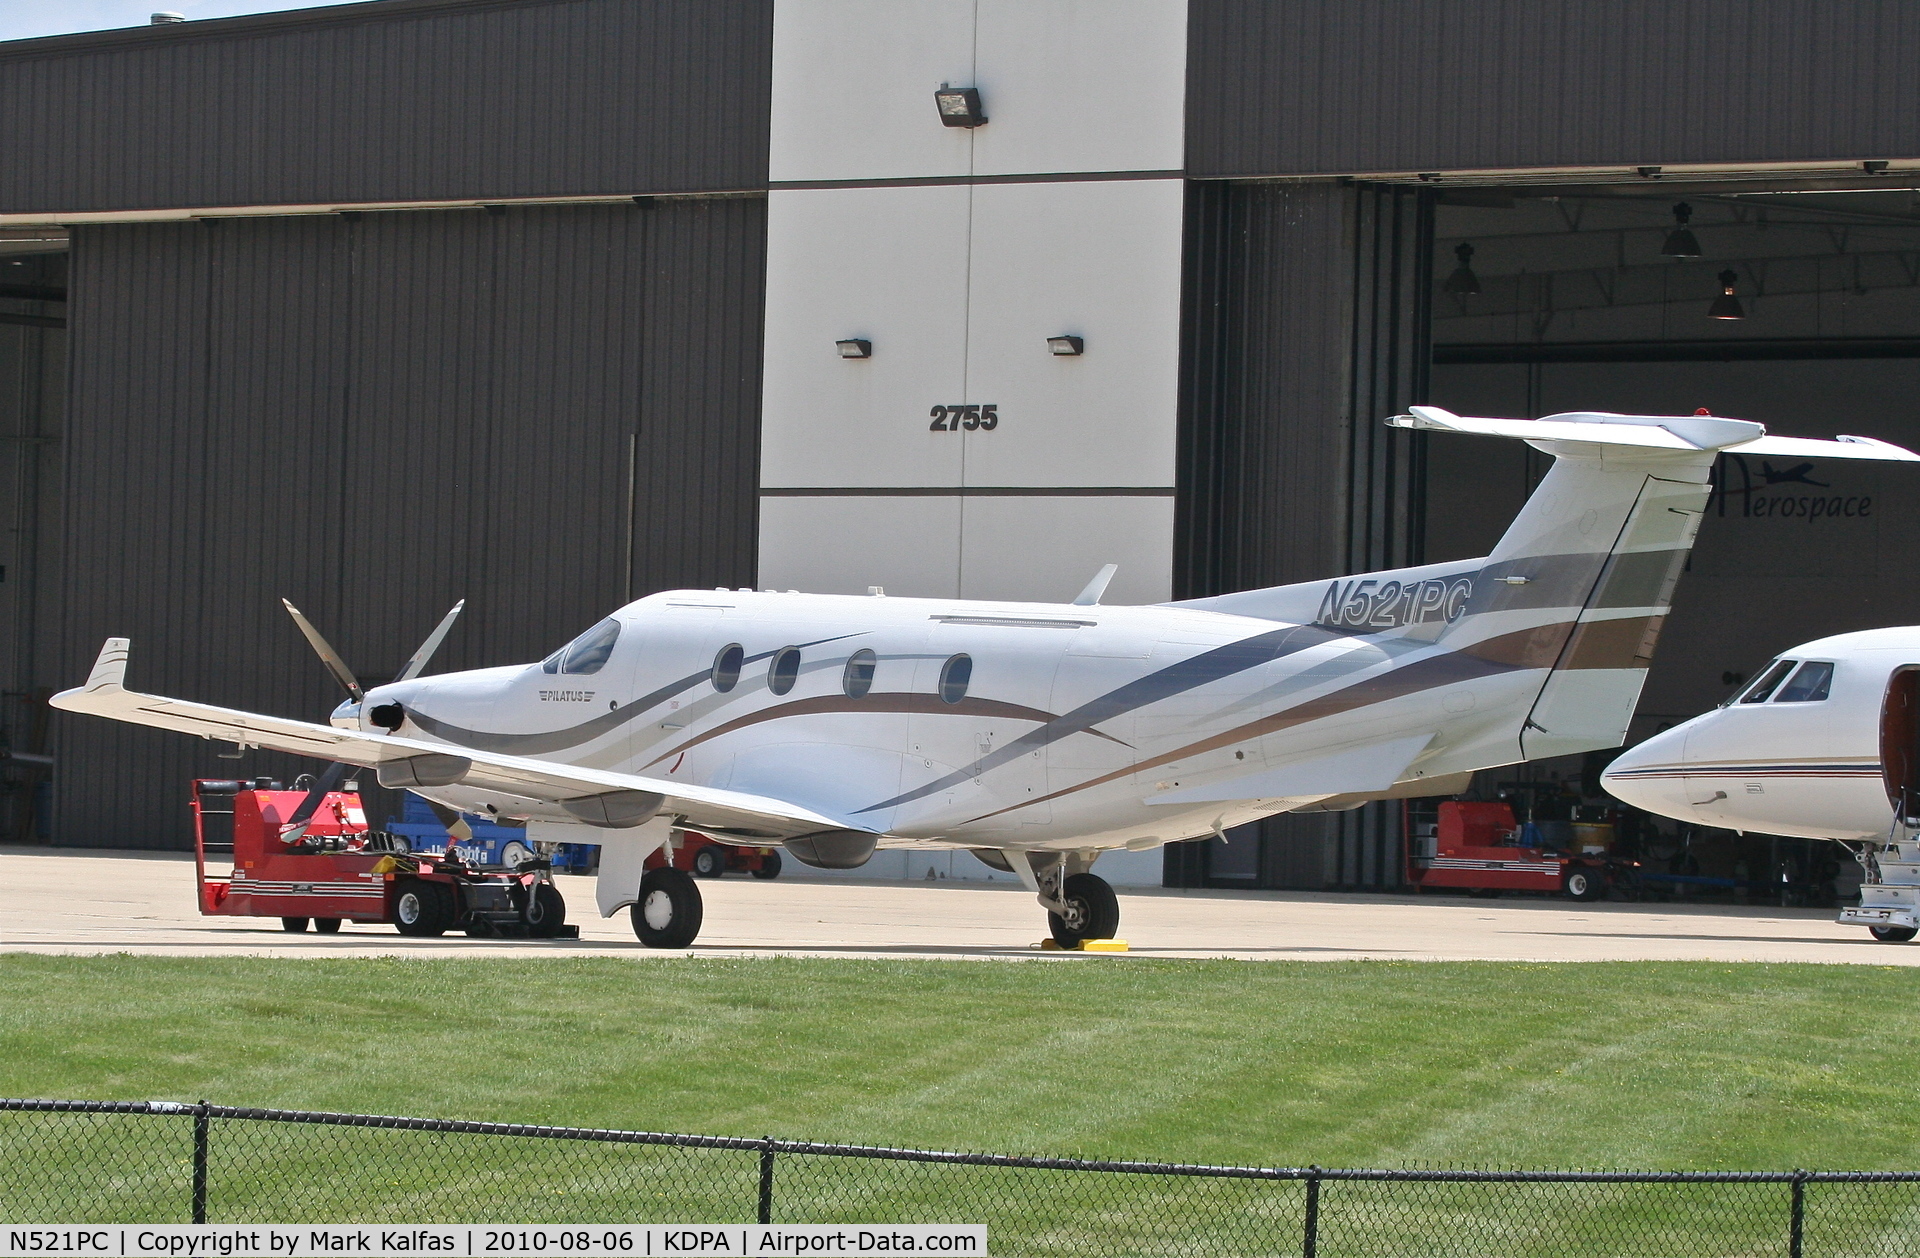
(492, 844)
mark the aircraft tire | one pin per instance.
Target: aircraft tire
(769, 866)
(668, 912)
(1094, 907)
(327, 925)
(1892, 934)
(423, 909)
(709, 862)
(1586, 884)
(546, 911)
(293, 925)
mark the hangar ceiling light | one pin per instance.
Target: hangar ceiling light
(1463, 282)
(1726, 305)
(854, 348)
(1681, 242)
(959, 106)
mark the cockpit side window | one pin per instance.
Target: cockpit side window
(588, 652)
(552, 663)
(1810, 683)
(1764, 685)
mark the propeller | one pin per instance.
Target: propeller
(327, 781)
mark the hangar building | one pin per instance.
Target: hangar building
(549, 304)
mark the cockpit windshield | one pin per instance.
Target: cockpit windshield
(1809, 685)
(1763, 687)
(586, 653)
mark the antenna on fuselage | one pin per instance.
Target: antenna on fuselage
(1090, 597)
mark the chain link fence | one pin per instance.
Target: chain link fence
(71, 1162)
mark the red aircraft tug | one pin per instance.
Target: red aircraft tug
(1477, 847)
(341, 869)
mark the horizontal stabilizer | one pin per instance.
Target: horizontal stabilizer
(1367, 768)
(1681, 434)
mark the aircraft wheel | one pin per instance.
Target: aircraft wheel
(1586, 884)
(513, 853)
(1093, 911)
(423, 909)
(709, 862)
(327, 925)
(293, 925)
(1893, 934)
(546, 911)
(769, 866)
(668, 912)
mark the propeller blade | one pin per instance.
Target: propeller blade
(328, 656)
(432, 644)
(316, 794)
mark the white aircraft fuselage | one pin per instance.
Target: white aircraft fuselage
(1797, 752)
(1077, 726)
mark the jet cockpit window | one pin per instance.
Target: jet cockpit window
(784, 671)
(858, 679)
(954, 676)
(1809, 685)
(588, 652)
(1763, 687)
(552, 663)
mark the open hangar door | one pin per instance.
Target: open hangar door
(33, 358)
(1797, 305)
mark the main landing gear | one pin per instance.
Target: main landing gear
(1080, 905)
(1090, 910)
(668, 912)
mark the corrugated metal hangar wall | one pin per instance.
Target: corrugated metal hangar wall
(538, 410)
(377, 410)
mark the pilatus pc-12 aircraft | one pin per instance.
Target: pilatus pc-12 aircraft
(1824, 744)
(1039, 735)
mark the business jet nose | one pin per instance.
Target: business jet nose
(1652, 775)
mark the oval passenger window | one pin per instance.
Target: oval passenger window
(590, 650)
(954, 676)
(726, 667)
(784, 670)
(858, 679)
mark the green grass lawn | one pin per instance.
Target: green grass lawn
(1641, 1066)
(1644, 1065)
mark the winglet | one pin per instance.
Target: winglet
(110, 670)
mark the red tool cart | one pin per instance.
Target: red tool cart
(695, 853)
(1476, 846)
(341, 870)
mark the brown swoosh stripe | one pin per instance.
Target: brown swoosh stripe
(1507, 652)
(891, 701)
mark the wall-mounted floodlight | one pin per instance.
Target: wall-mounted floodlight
(959, 106)
(854, 349)
(1066, 345)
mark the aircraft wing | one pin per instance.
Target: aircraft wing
(105, 694)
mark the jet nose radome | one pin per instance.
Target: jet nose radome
(1652, 775)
